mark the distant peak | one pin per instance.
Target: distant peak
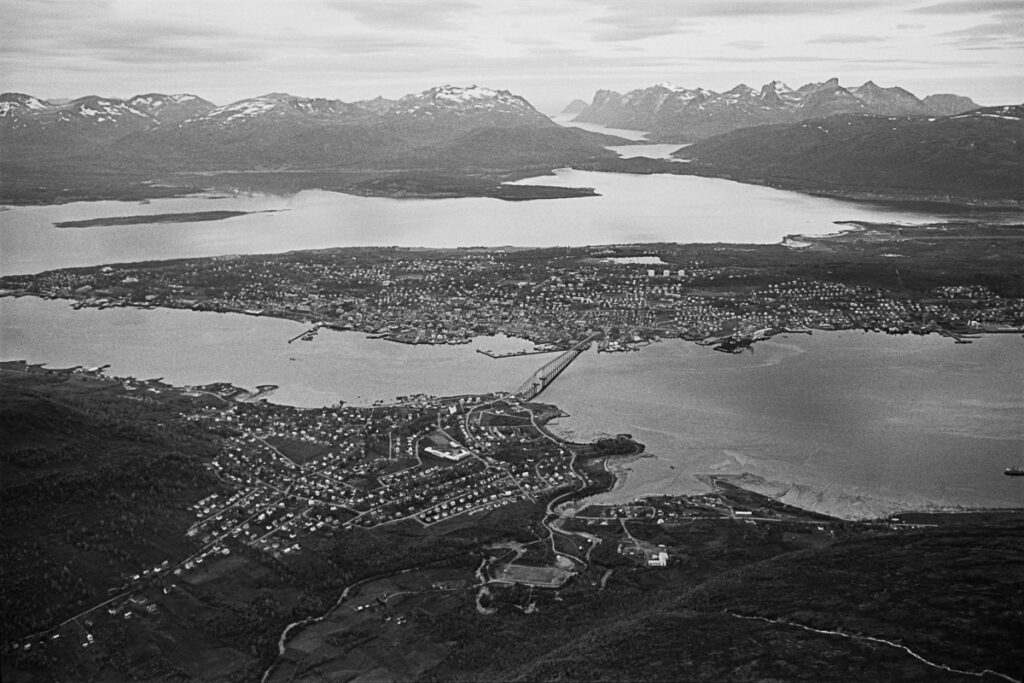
(455, 98)
(472, 92)
(24, 100)
(742, 90)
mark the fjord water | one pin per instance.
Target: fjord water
(631, 208)
(845, 422)
(865, 423)
(194, 348)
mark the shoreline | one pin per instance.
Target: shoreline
(397, 337)
(617, 466)
(502, 185)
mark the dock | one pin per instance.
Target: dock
(307, 335)
(958, 337)
(516, 354)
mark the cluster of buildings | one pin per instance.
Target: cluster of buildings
(294, 472)
(450, 296)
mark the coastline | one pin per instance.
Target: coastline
(843, 505)
(400, 337)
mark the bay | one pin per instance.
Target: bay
(849, 423)
(195, 347)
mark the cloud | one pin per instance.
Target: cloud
(970, 7)
(845, 38)
(354, 48)
(747, 45)
(734, 8)
(631, 20)
(1006, 33)
(144, 42)
(391, 13)
(640, 28)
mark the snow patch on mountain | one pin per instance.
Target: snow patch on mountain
(242, 109)
(12, 103)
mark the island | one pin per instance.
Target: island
(958, 279)
(190, 217)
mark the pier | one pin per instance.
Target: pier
(308, 334)
(516, 354)
(542, 378)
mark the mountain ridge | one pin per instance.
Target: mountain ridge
(97, 146)
(674, 114)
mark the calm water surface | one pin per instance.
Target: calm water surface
(626, 133)
(846, 422)
(192, 347)
(631, 208)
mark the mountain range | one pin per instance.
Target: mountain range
(468, 141)
(466, 131)
(674, 114)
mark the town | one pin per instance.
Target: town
(726, 296)
(288, 475)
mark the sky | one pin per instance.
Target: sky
(549, 51)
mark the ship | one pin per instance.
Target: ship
(1014, 471)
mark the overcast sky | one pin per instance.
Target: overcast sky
(549, 51)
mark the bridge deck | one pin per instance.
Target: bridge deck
(542, 378)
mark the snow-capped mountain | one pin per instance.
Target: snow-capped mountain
(447, 126)
(16, 104)
(436, 103)
(102, 110)
(30, 126)
(445, 102)
(94, 116)
(170, 108)
(640, 109)
(278, 105)
(777, 93)
(682, 114)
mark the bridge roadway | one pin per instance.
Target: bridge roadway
(542, 378)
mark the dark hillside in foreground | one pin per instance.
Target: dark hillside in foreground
(92, 489)
(102, 477)
(952, 595)
(975, 155)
